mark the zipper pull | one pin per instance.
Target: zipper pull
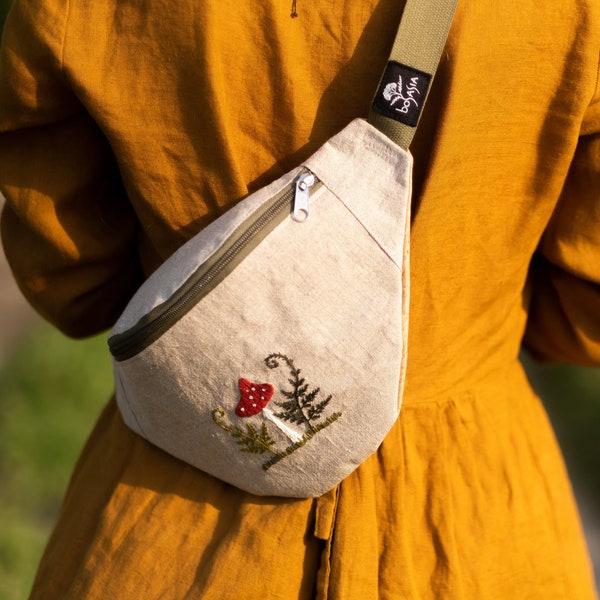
(301, 207)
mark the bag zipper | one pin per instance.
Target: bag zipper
(301, 206)
(291, 201)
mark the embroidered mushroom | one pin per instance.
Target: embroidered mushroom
(254, 397)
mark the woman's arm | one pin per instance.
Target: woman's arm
(68, 230)
(564, 320)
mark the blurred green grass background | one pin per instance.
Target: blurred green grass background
(571, 395)
(52, 390)
(4, 6)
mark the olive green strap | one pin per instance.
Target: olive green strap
(413, 61)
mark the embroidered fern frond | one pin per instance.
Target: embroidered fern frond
(301, 391)
(299, 407)
(289, 405)
(315, 412)
(251, 440)
(293, 417)
(310, 397)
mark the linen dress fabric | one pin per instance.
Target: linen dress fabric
(129, 126)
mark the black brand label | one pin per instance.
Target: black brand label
(402, 93)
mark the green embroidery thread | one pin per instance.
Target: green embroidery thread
(250, 440)
(305, 438)
(300, 407)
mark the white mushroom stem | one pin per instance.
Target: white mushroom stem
(288, 431)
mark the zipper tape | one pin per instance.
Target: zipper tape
(207, 276)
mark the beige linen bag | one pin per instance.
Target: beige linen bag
(270, 350)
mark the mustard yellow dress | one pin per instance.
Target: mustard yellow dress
(128, 125)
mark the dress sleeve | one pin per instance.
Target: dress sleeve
(68, 230)
(564, 318)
